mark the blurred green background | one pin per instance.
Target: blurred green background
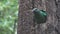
(8, 16)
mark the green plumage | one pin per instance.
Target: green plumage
(40, 16)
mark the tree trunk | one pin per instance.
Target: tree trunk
(25, 17)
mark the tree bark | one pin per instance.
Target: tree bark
(25, 17)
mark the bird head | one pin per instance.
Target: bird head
(35, 10)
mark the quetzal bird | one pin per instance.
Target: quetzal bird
(40, 16)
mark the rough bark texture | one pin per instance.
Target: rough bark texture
(25, 20)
